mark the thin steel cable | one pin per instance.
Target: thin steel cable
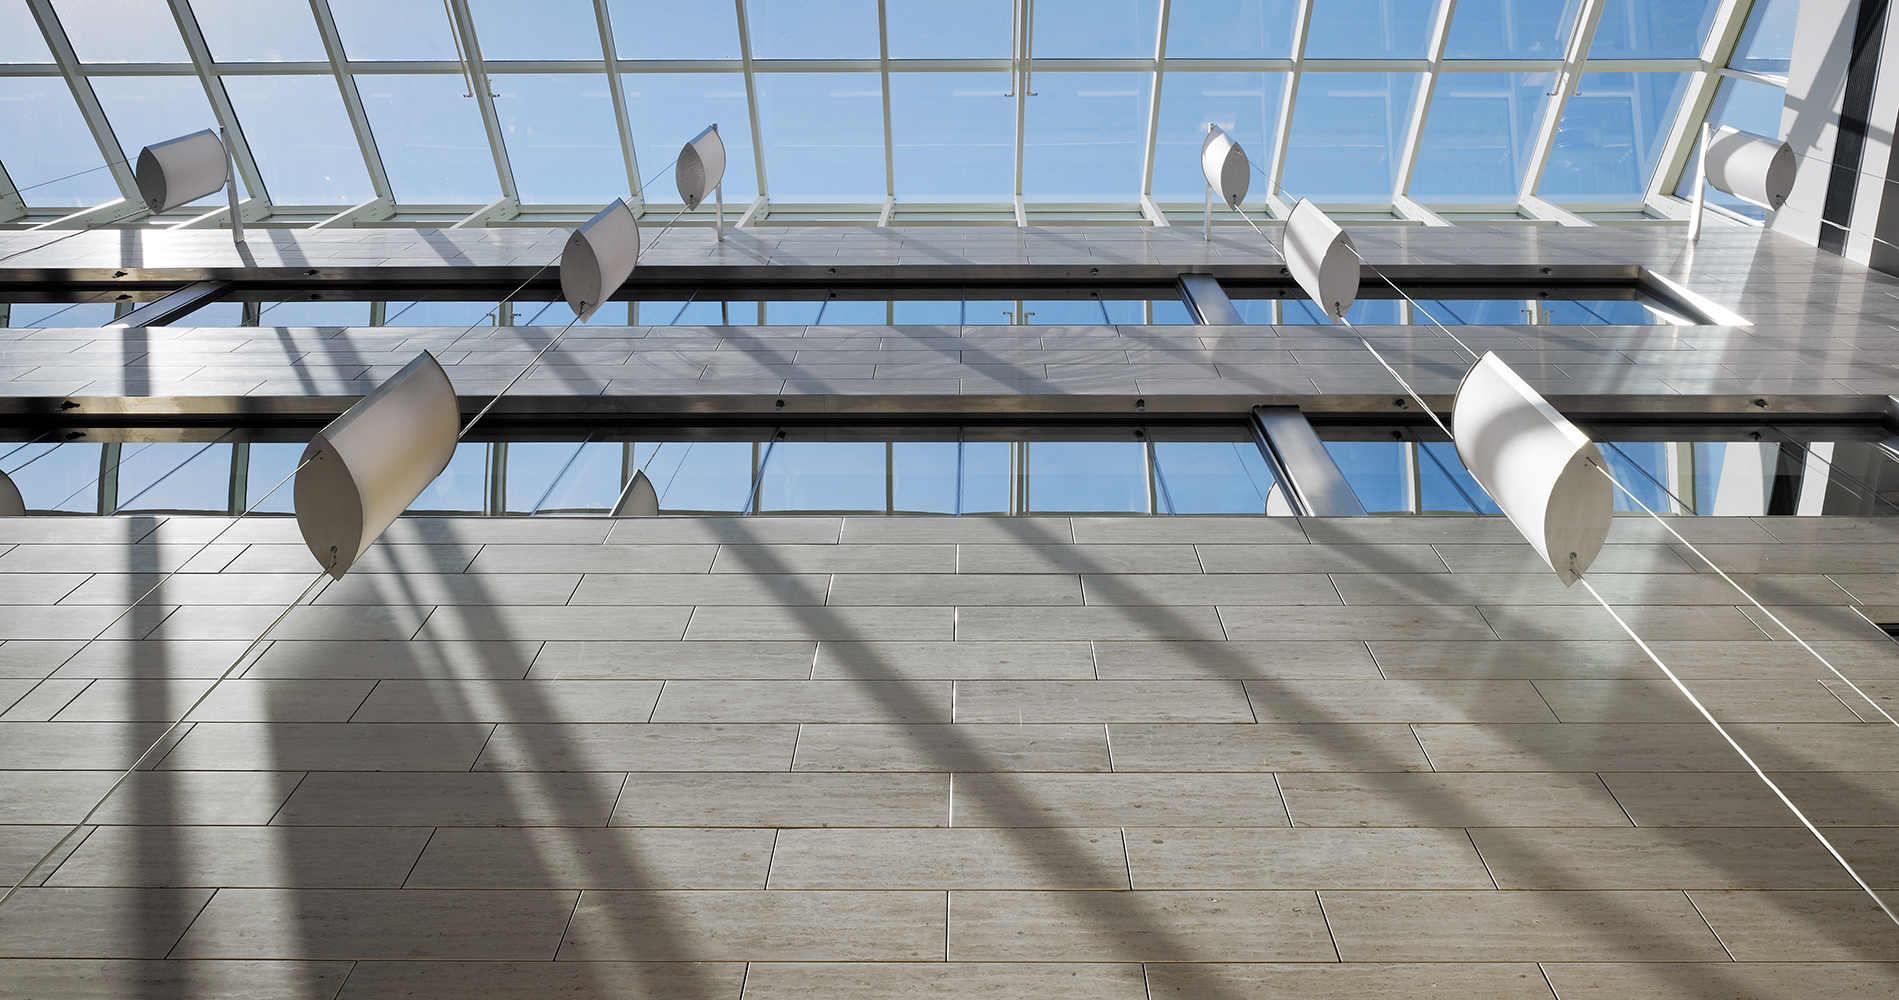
(1413, 393)
(166, 735)
(1743, 592)
(504, 389)
(27, 445)
(1703, 709)
(1414, 302)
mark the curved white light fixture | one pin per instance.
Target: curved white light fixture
(639, 499)
(598, 258)
(363, 470)
(701, 172)
(1750, 167)
(11, 503)
(1321, 258)
(182, 170)
(1228, 172)
(1535, 464)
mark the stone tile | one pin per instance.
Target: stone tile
(769, 559)
(38, 700)
(411, 924)
(1653, 624)
(1659, 858)
(323, 746)
(479, 589)
(1215, 748)
(569, 623)
(1016, 623)
(795, 530)
(876, 530)
(726, 926)
(640, 747)
(97, 923)
(1266, 659)
(351, 658)
(949, 859)
(1730, 701)
(1208, 530)
(629, 858)
(1051, 981)
(617, 558)
(1396, 701)
(473, 700)
(735, 660)
(1332, 981)
(1029, 558)
(1577, 747)
(1708, 981)
(1840, 926)
(784, 800)
(955, 660)
(1863, 798)
(1296, 559)
(31, 658)
(1310, 623)
(940, 589)
(1571, 926)
(980, 701)
(213, 856)
(178, 980)
(1234, 589)
(76, 745)
(215, 798)
(381, 558)
(952, 748)
(1154, 926)
(1115, 800)
(527, 980)
(1286, 858)
(1449, 800)
(732, 623)
(805, 701)
(447, 799)
(679, 588)
(306, 622)
(49, 796)
(1517, 557)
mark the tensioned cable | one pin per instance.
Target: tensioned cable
(27, 445)
(523, 374)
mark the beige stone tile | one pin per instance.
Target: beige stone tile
(1820, 746)
(1214, 530)
(531, 623)
(1115, 800)
(876, 529)
(342, 658)
(745, 659)
(1293, 701)
(1284, 858)
(381, 558)
(456, 798)
(1862, 798)
(156, 798)
(1653, 624)
(1514, 660)
(36, 658)
(1572, 926)
(1266, 747)
(765, 559)
(535, 980)
(1320, 558)
(638, 747)
(327, 746)
(476, 700)
(792, 530)
(563, 858)
(949, 859)
(1223, 589)
(734, 926)
(952, 748)
(1660, 701)
(1019, 558)
(1841, 926)
(1152, 926)
(712, 623)
(592, 559)
(982, 701)
(1265, 660)
(1018, 624)
(866, 980)
(954, 660)
(1578, 746)
(213, 856)
(412, 924)
(654, 589)
(1720, 980)
(1658, 858)
(948, 588)
(1450, 799)
(77, 745)
(50, 796)
(783, 800)
(805, 701)
(97, 923)
(1519, 557)
(177, 980)
(1284, 623)
(1332, 981)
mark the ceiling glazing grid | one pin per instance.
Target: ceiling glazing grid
(432, 112)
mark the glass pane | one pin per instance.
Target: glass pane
(1074, 476)
(987, 481)
(268, 465)
(1215, 477)
(802, 313)
(1642, 468)
(1379, 473)
(20, 39)
(708, 476)
(1652, 29)
(1499, 312)
(1476, 143)
(1611, 135)
(813, 29)
(97, 312)
(592, 481)
(462, 487)
(301, 137)
(260, 31)
(1370, 29)
(1750, 107)
(1063, 312)
(56, 476)
(867, 312)
(549, 314)
(299, 313)
(1246, 105)
(923, 477)
(562, 140)
(1085, 136)
(439, 313)
(920, 312)
(148, 109)
(929, 29)
(120, 31)
(394, 29)
(1364, 312)
(953, 136)
(46, 143)
(432, 141)
(546, 29)
(1511, 29)
(1766, 44)
(176, 476)
(1345, 133)
(531, 469)
(1230, 29)
(1446, 486)
(824, 475)
(1096, 29)
(667, 109)
(664, 29)
(826, 140)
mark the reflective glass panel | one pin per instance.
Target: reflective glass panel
(1346, 130)
(1373, 312)
(824, 475)
(297, 312)
(1511, 29)
(1611, 135)
(121, 31)
(952, 136)
(395, 29)
(60, 477)
(988, 477)
(260, 31)
(1096, 29)
(1084, 138)
(910, 312)
(708, 476)
(98, 310)
(665, 29)
(562, 140)
(462, 487)
(1230, 29)
(432, 141)
(1096, 476)
(1246, 105)
(545, 29)
(20, 38)
(48, 151)
(1766, 44)
(929, 29)
(267, 465)
(923, 477)
(1652, 29)
(1370, 29)
(1476, 143)
(301, 137)
(591, 481)
(813, 29)
(176, 476)
(1381, 473)
(532, 469)
(1750, 107)
(1215, 477)
(148, 109)
(1445, 486)
(667, 109)
(825, 142)
(442, 313)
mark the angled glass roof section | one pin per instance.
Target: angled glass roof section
(825, 140)
(47, 149)
(259, 31)
(301, 138)
(813, 29)
(1370, 29)
(544, 29)
(1230, 29)
(121, 31)
(667, 29)
(952, 136)
(1652, 29)
(1766, 44)
(148, 109)
(394, 30)
(1246, 105)
(20, 38)
(1511, 29)
(930, 29)
(666, 110)
(434, 147)
(1478, 138)
(1750, 107)
(562, 140)
(1346, 132)
(1083, 137)
(1096, 29)
(1611, 134)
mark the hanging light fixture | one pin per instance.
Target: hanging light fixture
(182, 170)
(11, 503)
(701, 172)
(1750, 167)
(1321, 258)
(1228, 172)
(364, 469)
(598, 258)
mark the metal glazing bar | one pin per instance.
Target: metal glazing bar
(751, 101)
(621, 119)
(352, 98)
(883, 61)
(1421, 109)
(221, 107)
(1153, 104)
(1020, 91)
(1581, 37)
(1723, 35)
(1288, 100)
(89, 107)
(463, 24)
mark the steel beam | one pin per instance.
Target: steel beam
(1534, 207)
(883, 66)
(173, 307)
(1153, 211)
(1408, 209)
(499, 210)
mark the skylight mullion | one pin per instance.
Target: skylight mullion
(1018, 62)
(1282, 134)
(1567, 80)
(883, 63)
(763, 202)
(464, 24)
(89, 108)
(352, 99)
(611, 65)
(1414, 133)
(221, 106)
(1723, 35)
(1153, 106)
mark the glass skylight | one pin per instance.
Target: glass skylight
(20, 40)
(259, 30)
(121, 31)
(1371, 29)
(1477, 140)
(1231, 29)
(1511, 29)
(544, 29)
